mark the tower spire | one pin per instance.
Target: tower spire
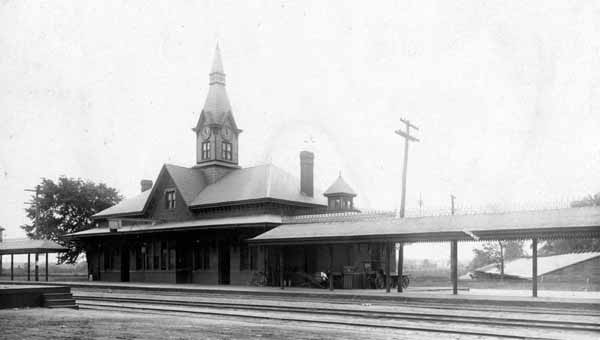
(217, 75)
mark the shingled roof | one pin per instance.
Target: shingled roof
(189, 182)
(544, 224)
(130, 206)
(259, 182)
(340, 187)
(25, 245)
(204, 224)
(521, 268)
(217, 107)
(240, 186)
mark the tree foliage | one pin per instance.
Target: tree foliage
(555, 247)
(66, 207)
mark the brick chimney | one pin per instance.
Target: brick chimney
(307, 161)
(146, 184)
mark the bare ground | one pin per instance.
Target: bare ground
(42, 323)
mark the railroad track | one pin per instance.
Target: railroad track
(350, 300)
(413, 321)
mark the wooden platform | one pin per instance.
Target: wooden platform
(27, 295)
(412, 295)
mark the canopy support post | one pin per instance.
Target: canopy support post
(534, 267)
(400, 265)
(37, 275)
(454, 266)
(28, 267)
(331, 268)
(46, 267)
(281, 283)
(12, 267)
(387, 266)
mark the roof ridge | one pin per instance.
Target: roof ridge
(177, 166)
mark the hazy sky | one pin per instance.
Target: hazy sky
(506, 94)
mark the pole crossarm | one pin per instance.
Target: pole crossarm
(405, 135)
(407, 122)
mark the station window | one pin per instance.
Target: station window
(156, 257)
(226, 153)
(148, 257)
(164, 260)
(206, 150)
(110, 259)
(107, 260)
(201, 257)
(139, 259)
(248, 258)
(172, 257)
(170, 199)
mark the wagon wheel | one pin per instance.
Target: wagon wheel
(405, 281)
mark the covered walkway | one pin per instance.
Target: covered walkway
(14, 247)
(331, 229)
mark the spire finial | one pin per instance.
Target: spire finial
(217, 75)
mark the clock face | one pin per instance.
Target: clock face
(205, 132)
(227, 133)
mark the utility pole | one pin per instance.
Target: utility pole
(407, 138)
(453, 255)
(37, 206)
(35, 223)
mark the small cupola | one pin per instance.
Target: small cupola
(340, 196)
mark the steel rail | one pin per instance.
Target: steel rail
(353, 300)
(299, 320)
(395, 315)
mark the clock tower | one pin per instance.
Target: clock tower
(216, 131)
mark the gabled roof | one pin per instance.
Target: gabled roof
(25, 245)
(255, 183)
(189, 182)
(521, 267)
(543, 224)
(242, 185)
(130, 206)
(339, 187)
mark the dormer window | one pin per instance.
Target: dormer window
(205, 150)
(170, 199)
(226, 153)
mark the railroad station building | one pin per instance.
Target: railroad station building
(219, 223)
(191, 224)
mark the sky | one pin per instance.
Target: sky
(506, 95)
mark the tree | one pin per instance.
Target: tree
(497, 252)
(66, 207)
(588, 201)
(555, 247)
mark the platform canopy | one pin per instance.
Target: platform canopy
(541, 224)
(29, 246)
(206, 224)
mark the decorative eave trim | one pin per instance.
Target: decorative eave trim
(257, 200)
